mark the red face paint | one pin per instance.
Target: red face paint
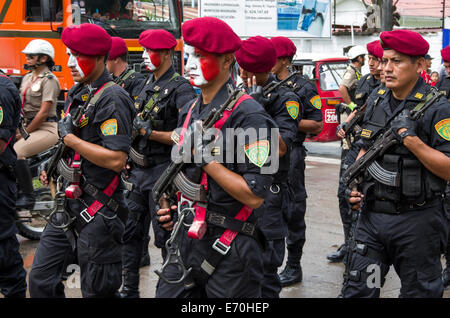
(87, 64)
(155, 58)
(209, 64)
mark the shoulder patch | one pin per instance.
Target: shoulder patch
(293, 108)
(442, 128)
(381, 92)
(1, 114)
(258, 152)
(316, 102)
(109, 127)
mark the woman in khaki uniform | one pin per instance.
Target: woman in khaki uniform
(39, 92)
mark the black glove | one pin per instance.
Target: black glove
(139, 124)
(66, 126)
(202, 145)
(403, 120)
(257, 93)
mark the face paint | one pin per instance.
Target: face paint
(152, 61)
(203, 67)
(83, 64)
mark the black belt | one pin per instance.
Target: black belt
(227, 222)
(391, 207)
(53, 119)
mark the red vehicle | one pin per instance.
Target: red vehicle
(326, 74)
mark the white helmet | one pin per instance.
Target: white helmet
(356, 51)
(40, 47)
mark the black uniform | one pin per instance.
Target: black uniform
(12, 274)
(170, 93)
(286, 110)
(403, 226)
(131, 81)
(366, 85)
(98, 247)
(444, 87)
(240, 271)
(312, 110)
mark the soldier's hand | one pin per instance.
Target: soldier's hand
(355, 200)
(66, 126)
(340, 131)
(403, 125)
(164, 215)
(145, 128)
(256, 92)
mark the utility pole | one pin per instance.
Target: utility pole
(443, 14)
(386, 15)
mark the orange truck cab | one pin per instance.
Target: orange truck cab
(24, 20)
(326, 74)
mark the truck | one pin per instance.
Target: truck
(24, 20)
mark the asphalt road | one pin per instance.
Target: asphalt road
(323, 235)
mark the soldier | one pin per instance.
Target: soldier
(163, 95)
(310, 123)
(98, 149)
(364, 88)
(444, 87)
(122, 73)
(39, 90)
(12, 274)
(256, 58)
(352, 75)
(226, 260)
(403, 223)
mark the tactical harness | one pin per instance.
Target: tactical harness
(71, 172)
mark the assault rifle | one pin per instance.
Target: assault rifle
(269, 88)
(61, 147)
(353, 125)
(173, 172)
(380, 146)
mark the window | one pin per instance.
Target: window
(330, 75)
(44, 11)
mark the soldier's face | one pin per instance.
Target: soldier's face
(373, 63)
(281, 64)
(202, 67)
(399, 70)
(152, 59)
(81, 66)
(447, 67)
(381, 71)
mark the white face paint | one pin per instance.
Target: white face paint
(193, 67)
(148, 61)
(74, 63)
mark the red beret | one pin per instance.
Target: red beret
(158, 39)
(374, 48)
(257, 55)
(118, 48)
(404, 41)
(445, 53)
(87, 39)
(284, 46)
(211, 35)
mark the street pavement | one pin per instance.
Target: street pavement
(324, 234)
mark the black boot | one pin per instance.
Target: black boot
(291, 274)
(25, 197)
(130, 285)
(145, 256)
(446, 277)
(338, 256)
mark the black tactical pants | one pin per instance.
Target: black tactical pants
(12, 273)
(98, 254)
(411, 241)
(296, 210)
(238, 275)
(141, 215)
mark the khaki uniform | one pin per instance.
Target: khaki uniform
(33, 91)
(351, 78)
